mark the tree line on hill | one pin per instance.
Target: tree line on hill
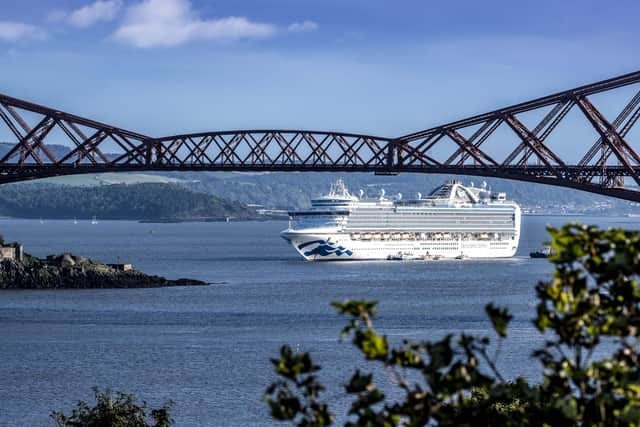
(137, 201)
(284, 190)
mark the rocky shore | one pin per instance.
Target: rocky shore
(69, 271)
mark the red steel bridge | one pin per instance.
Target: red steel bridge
(515, 142)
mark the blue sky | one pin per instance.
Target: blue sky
(381, 67)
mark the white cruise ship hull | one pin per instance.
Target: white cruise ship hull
(328, 246)
(452, 222)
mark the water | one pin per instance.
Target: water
(208, 348)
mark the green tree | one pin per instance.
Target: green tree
(115, 410)
(118, 201)
(590, 307)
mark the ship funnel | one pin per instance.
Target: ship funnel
(361, 192)
(399, 196)
(419, 196)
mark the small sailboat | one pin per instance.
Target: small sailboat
(75, 220)
(94, 220)
(41, 220)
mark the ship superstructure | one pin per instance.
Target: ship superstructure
(453, 221)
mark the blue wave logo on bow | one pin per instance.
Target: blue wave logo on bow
(324, 248)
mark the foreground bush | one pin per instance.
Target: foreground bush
(114, 410)
(592, 301)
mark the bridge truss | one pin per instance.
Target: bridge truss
(512, 143)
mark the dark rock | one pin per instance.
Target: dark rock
(82, 273)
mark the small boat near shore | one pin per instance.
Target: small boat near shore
(399, 257)
(545, 252)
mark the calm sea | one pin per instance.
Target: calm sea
(208, 348)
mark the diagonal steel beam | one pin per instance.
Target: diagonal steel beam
(590, 89)
(618, 123)
(609, 134)
(480, 156)
(533, 142)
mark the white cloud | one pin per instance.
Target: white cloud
(101, 10)
(86, 16)
(303, 27)
(154, 23)
(15, 31)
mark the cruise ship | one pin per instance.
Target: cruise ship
(453, 221)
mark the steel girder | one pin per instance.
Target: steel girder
(48, 142)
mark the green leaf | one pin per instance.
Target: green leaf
(499, 317)
(372, 345)
(569, 407)
(631, 413)
(356, 308)
(358, 382)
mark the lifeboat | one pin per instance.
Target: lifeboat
(355, 236)
(366, 236)
(401, 256)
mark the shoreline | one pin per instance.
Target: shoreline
(145, 221)
(267, 219)
(19, 270)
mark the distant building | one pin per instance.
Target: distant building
(121, 267)
(11, 252)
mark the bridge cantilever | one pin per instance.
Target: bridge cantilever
(89, 146)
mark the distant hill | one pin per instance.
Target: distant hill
(285, 190)
(138, 201)
(93, 179)
(110, 178)
(56, 149)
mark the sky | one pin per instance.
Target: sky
(388, 68)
